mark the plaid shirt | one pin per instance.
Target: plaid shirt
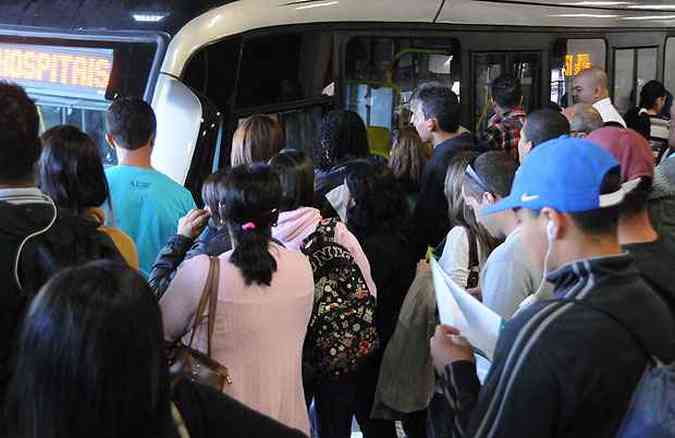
(503, 132)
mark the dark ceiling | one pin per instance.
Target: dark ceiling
(104, 14)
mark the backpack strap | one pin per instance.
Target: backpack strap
(326, 228)
(587, 304)
(325, 232)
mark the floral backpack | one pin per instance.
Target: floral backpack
(341, 335)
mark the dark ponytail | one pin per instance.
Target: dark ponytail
(250, 207)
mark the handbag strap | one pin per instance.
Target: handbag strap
(208, 298)
(214, 275)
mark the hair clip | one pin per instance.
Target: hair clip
(248, 226)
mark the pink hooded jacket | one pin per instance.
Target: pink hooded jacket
(295, 226)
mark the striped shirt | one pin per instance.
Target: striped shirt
(565, 370)
(659, 133)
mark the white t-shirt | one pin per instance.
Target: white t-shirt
(455, 258)
(340, 198)
(509, 277)
(608, 112)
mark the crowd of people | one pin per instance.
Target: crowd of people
(304, 282)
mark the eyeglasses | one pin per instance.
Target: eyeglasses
(471, 173)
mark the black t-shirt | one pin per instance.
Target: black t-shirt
(655, 261)
(210, 414)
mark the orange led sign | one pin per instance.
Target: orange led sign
(81, 70)
(576, 63)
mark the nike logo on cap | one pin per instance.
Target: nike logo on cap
(527, 198)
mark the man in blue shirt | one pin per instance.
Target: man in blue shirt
(146, 204)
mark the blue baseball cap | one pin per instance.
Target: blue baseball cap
(564, 174)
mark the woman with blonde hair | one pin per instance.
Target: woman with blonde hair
(406, 160)
(258, 138)
(468, 244)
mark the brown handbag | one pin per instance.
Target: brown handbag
(187, 362)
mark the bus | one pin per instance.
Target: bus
(207, 64)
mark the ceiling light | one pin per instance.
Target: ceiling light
(149, 17)
(317, 5)
(594, 3)
(650, 17)
(662, 7)
(584, 16)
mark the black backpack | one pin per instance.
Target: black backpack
(341, 335)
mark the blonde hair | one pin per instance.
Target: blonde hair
(258, 138)
(458, 211)
(406, 159)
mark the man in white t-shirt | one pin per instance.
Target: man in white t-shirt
(590, 86)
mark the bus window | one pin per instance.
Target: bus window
(633, 67)
(72, 82)
(487, 66)
(284, 68)
(290, 77)
(382, 74)
(90, 120)
(669, 65)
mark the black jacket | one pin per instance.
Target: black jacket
(71, 240)
(393, 269)
(430, 220)
(208, 413)
(212, 242)
(563, 369)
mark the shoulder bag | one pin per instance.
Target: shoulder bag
(187, 362)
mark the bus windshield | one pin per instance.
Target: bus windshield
(73, 82)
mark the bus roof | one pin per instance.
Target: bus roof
(244, 15)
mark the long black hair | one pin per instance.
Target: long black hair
(90, 360)
(296, 175)
(71, 169)
(250, 203)
(342, 136)
(379, 203)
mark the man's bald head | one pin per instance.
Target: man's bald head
(583, 118)
(590, 86)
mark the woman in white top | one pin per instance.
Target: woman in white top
(467, 232)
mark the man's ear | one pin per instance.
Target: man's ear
(556, 224)
(489, 198)
(431, 124)
(528, 147)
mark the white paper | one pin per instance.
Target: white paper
(457, 308)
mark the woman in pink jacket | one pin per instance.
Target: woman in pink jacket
(335, 401)
(299, 217)
(265, 296)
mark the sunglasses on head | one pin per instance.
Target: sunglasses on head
(471, 173)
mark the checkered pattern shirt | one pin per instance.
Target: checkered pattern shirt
(503, 132)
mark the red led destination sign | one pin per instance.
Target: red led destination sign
(57, 70)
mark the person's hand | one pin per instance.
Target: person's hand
(448, 346)
(193, 223)
(423, 266)
(476, 293)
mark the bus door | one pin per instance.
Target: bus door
(285, 73)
